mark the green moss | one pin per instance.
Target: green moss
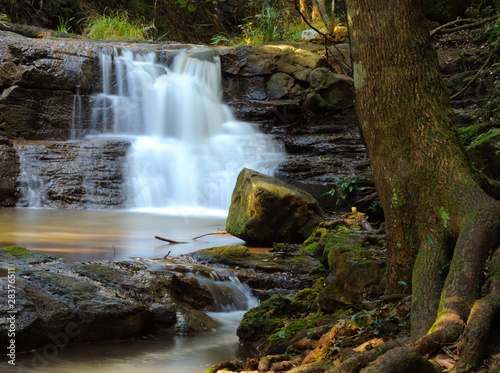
(267, 318)
(290, 330)
(17, 251)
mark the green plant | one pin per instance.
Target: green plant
(4, 17)
(115, 26)
(221, 39)
(343, 188)
(63, 25)
(191, 5)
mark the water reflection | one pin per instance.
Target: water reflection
(186, 354)
(84, 235)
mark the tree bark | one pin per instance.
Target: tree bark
(441, 225)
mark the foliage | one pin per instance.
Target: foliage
(343, 188)
(63, 25)
(116, 26)
(4, 17)
(191, 5)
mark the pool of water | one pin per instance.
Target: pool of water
(172, 354)
(85, 235)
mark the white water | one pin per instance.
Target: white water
(187, 148)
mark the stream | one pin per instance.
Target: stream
(87, 235)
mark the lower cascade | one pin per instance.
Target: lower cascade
(187, 148)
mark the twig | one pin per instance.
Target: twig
(114, 253)
(166, 256)
(209, 234)
(172, 242)
(442, 29)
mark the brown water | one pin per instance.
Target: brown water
(178, 354)
(84, 235)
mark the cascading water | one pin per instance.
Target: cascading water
(187, 148)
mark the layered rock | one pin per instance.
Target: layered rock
(9, 169)
(59, 304)
(86, 173)
(265, 210)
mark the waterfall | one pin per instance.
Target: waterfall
(187, 148)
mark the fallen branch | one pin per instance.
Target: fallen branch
(210, 234)
(172, 242)
(34, 32)
(473, 23)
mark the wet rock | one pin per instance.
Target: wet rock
(264, 262)
(9, 169)
(60, 304)
(87, 173)
(265, 210)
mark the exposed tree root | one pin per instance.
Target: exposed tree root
(358, 362)
(401, 359)
(472, 345)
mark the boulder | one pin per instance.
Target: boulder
(265, 210)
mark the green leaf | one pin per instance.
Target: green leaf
(431, 240)
(402, 283)
(191, 8)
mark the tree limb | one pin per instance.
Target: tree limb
(172, 242)
(33, 31)
(443, 30)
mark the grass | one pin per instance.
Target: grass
(116, 26)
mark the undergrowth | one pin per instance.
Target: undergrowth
(115, 26)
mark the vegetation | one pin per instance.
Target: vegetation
(115, 26)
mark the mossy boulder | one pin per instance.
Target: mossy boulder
(267, 318)
(329, 90)
(265, 210)
(21, 257)
(356, 262)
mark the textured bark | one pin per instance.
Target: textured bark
(441, 225)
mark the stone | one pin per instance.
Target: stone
(356, 263)
(279, 86)
(265, 210)
(309, 34)
(329, 90)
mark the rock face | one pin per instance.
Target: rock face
(265, 210)
(86, 173)
(9, 169)
(290, 90)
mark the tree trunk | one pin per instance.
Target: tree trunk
(303, 9)
(441, 226)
